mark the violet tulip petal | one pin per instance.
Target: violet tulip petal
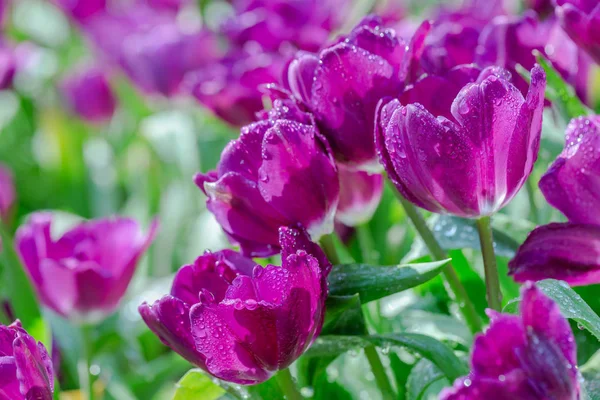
(293, 160)
(530, 357)
(169, 319)
(564, 251)
(360, 193)
(34, 368)
(241, 211)
(344, 99)
(227, 356)
(572, 183)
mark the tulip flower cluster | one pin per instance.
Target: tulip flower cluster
(453, 112)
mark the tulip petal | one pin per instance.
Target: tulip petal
(34, 366)
(572, 184)
(169, 319)
(344, 99)
(293, 160)
(563, 251)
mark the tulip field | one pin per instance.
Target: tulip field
(299, 199)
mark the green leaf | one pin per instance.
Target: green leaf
(375, 282)
(344, 315)
(435, 351)
(571, 305)
(423, 375)
(459, 233)
(591, 375)
(559, 92)
(325, 390)
(195, 385)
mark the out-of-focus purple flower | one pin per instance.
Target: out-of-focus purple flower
(279, 172)
(564, 251)
(360, 193)
(572, 183)
(7, 192)
(83, 274)
(229, 86)
(26, 371)
(167, 5)
(304, 24)
(581, 20)
(474, 157)
(343, 83)
(8, 66)
(81, 10)
(508, 41)
(528, 357)
(151, 47)
(241, 322)
(88, 93)
(542, 7)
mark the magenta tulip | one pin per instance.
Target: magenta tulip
(279, 172)
(528, 357)
(474, 157)
(83, 274)
(581, 20)
(26, 371)
(241, 322)
(360, 193)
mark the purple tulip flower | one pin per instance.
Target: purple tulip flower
(572, 184)
(303, 24)
(542, 7)
(563, 251)
(7, 193)
(151, 47)
(474, 157)
(229, 86)
(88, 93)
(26, 371)
(360, 194)
(83, 274)
(343, 83)
(528, 357)
(581, 20)
(279, 172)
(241, 322)
(81, 10)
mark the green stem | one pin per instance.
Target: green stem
(456, 287)
(86, 377)
(366, 244)
(288, 386)
(535, 213)
(381, 377)
(328, 247)
(492, 283)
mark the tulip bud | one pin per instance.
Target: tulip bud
(83, 274)
(25, 368)
(241, 322)
(531, 356)
(474, 157)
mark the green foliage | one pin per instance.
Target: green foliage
(195, 385)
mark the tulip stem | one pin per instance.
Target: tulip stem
(534, 212)
(365, 242)
(438, 253)
(86, 378)
(381, 377)
(288, 385)
(492, 283)
(328, 247)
